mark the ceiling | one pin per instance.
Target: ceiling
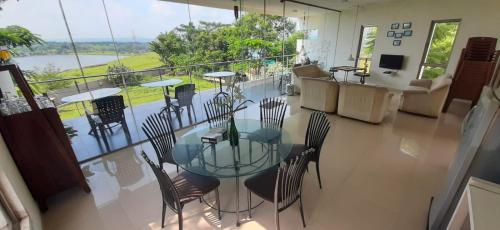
(275, 7)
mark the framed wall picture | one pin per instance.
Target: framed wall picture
(395, 26)
(398, 35)
(396, 42)
(390, 33)
(407, 25)
(408, 33)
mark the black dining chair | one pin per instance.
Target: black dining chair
(182, 189)
(272, 115)
(216, 110)
(161, 136)
(108, 111)
(280, 185)
(317, 129)
(183, 98)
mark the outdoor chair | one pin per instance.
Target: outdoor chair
(182, 189)
(183, 98)
(108, 113)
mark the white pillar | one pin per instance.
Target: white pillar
(6, 84)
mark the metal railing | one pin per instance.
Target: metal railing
(255, 69)
(167, 68)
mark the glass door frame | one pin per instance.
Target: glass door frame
(430, 36)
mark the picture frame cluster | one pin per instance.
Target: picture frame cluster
(398, 35)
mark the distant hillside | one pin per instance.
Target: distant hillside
(51, 48)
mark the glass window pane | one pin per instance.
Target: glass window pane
(365, 49)
(443, 37)
(432, 72)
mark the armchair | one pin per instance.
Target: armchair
(310, 71)
(426, 97)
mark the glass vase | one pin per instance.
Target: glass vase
(233, 135)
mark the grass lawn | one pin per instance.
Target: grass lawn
(138, 95)
(137, 62)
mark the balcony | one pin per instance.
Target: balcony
(264, 81)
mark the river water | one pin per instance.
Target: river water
(61, 62)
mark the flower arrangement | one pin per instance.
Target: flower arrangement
(234, 100)
(4, 55)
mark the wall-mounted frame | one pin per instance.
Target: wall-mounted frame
(390, 33)
(396, 42)
(394, 26)
(408, 33)
(406, 25)
(398, 35)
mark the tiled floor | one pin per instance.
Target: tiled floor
(374, 177)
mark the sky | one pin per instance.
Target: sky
(143, 18)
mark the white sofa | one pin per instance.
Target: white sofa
(309, 71)
(363, 102)
(426, 97)
(319, 94)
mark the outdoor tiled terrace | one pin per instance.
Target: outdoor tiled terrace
(87, 146)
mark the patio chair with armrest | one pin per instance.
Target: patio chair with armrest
(183, 98)
(108, 113)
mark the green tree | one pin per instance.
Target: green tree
(168, 45)
(440, 49)
(14, 36)
(369, 43)
(252, 36)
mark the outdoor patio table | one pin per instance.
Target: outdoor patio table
(222, 160)
(86, 96)
(163, 83)
(220, 75)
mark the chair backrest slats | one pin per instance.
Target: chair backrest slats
(289, 181)
(216, 110)
(167, 187)
(272, 111)
(184, 94)
(161, 135)
(317, 129)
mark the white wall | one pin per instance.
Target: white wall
(479, 18)
(9, 169)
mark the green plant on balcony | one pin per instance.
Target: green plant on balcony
(118, 73)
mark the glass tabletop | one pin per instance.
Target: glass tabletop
(92, 95)
(162, 83)
(221, 160)
(220, 74)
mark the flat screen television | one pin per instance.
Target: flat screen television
(389, 61)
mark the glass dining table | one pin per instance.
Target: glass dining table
(221, 160)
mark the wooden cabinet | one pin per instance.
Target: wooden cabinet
(40, 147)
(478, 208)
